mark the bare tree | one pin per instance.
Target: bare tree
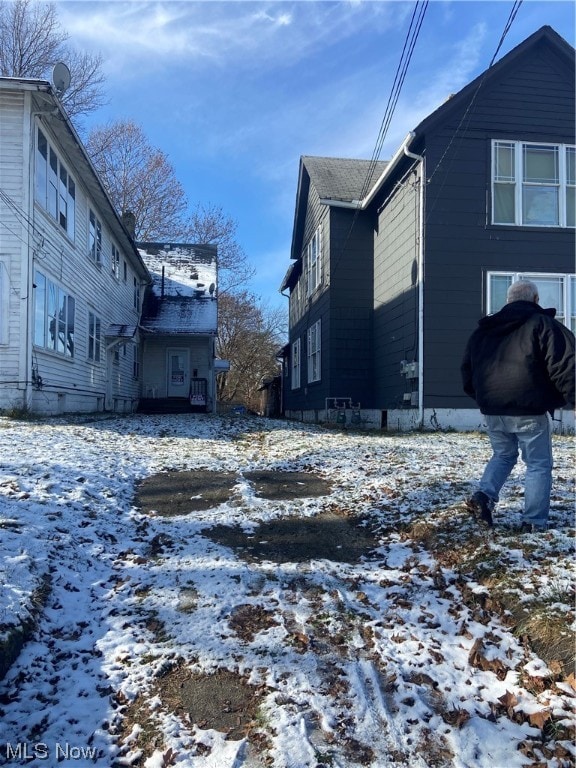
(139, 178)
(249, 336)
(209, 225)
(32, 41)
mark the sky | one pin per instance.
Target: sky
(236, 92)
(381, 661)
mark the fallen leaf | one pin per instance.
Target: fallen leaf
(539, 719)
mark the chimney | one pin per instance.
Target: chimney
(129, 221)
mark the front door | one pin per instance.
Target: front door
(178, 372)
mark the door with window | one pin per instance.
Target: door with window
(178, 372)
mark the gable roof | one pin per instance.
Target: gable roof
(545, 36)
(182, 296)
(335, 179)
(342, 178)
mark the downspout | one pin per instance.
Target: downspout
(420, 159)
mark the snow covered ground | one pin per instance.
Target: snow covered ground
(382, 662)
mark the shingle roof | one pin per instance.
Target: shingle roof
(182, 295)
(341, 178)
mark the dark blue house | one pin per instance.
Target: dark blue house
(393, 263)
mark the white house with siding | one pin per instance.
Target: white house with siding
(179, 325)
(71, 278)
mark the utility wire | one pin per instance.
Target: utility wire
(468, 110)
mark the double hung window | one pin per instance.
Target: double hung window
(533, 185)
(313, 262)
(296, 366)
(55, 189)
(54, 316)
(94, 337)
(115, 262)
(554, 290)
(95, 238)
(314, 352)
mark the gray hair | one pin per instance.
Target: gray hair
(522, 290)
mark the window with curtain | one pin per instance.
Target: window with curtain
(533, 185)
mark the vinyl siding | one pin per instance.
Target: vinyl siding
(13, 238)
(395, 292)
(533, 101)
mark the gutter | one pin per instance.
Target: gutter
(361, 205)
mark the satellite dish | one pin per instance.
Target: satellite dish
(60, 77)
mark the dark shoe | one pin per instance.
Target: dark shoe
(481, 506)
(532, 528)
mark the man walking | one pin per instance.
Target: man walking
(519, 367)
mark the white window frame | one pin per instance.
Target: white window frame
(564, 183)
(94, 237)
(314, 352)
(54, 317)
(313, 263)
(296, 365)
(136, 294)
(94, 338)
(54, 187)
(135, 361)
(566, 313)
(115, 261)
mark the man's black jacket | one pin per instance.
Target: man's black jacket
(520, 361)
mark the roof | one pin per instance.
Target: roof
(342, 178)
(336, 180)
(182, 296)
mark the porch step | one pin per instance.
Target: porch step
(168, 405)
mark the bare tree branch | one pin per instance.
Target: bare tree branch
(32, 42)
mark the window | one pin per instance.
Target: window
(125, 276)
(296, 364)
(313, 262)
(136, 294)
(115, 262)
(136, 361)
(533, 185)
(54, 313)
(95, 238)
(558, 291)
(314, 359)
(94, 343)
(55, 189)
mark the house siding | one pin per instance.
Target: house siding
(13, 236)
(80, 383)
(396, 247)
(30, 239)
(349, 344)
(462, 246)
(306, 311)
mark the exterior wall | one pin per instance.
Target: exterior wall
(32, 376)
(351, 288)
(13, 245)
(396, 254)
(305, 311)
(155, 365)
(534, 101)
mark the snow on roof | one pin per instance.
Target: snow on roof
(182, 295)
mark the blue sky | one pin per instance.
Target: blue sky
(235, 92)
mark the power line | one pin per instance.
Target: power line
(468, 110)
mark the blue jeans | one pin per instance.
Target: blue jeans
(533, 436)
